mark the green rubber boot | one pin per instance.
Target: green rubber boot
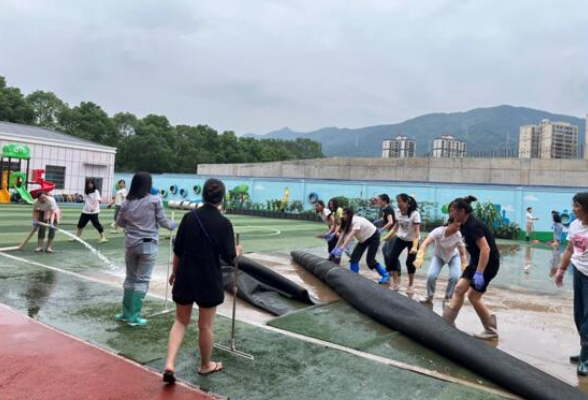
(583, 362)
(136, 306)
(126, 307)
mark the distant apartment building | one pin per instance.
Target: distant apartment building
(448, 147)
(585, 149)
(548, 140)
(399, 147)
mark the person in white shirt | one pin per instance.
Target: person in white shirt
(450, 250)
(45, 209)
(368, 238)
(91, 210)
(576, 253)
(407, 231)
(117, 200)
(530, 223)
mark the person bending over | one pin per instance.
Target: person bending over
(450, 250)
(482, 267)
(368, 238)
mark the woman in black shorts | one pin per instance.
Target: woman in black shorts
(204, 237)
(482, 267)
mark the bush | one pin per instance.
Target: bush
(296, 206)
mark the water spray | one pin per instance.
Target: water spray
(93, 250)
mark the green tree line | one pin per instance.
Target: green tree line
(151, 143)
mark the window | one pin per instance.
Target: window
(98, 182)
(56, 175)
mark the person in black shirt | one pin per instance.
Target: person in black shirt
(387, 222)
(204, 237)
(482, 267)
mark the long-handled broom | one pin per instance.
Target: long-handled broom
(169, 262)
(232, 348)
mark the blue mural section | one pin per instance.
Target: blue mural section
(510, 201)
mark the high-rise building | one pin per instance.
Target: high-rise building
(399, 147)
(585, 149)
(548, 140)
(449, 147)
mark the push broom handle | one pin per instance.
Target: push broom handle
(235, 279)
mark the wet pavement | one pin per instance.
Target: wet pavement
(534, 317)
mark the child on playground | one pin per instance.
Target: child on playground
(91, 211)
(117, 201)
(45, 210)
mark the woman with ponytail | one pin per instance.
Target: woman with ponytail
(368, 237)
(481, 269)
(407, 231)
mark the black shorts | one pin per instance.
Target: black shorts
(489, 274)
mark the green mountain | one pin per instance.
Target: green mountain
(485, 130)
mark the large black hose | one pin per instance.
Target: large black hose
(429, 329)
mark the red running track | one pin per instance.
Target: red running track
(37, 362)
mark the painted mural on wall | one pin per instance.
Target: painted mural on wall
(293, 195)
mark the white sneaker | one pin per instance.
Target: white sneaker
(410, 290)
(39, 250)
(426, 300)
(396, 287)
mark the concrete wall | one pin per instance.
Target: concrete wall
(510, 171)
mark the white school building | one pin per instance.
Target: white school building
(67, 160)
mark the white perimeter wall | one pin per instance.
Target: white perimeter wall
(78, 163)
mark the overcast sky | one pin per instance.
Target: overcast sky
(256, 66)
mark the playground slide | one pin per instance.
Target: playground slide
(4, 193)
(24, 194)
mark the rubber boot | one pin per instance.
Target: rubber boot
(449, 315)
(583, 362)
(136, 304)
(385, 276)
(354, 267)
(126, 307)
(490, 329)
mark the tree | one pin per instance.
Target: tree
(125, 125)
(46, 108)
(13, 106)
(89, 121)
(149, 144)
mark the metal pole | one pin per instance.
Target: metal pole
(235, 290)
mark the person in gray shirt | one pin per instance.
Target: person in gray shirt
(140, 215)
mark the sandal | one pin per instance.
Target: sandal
(169, 376)
(217, 368)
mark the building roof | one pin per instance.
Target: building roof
(24, 132)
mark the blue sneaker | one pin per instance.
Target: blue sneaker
(385, 276)
(354, 267)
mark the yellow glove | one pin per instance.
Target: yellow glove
(415, 246)
(389, 236)
(420, 257)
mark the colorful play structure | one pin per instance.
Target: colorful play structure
(19, 180)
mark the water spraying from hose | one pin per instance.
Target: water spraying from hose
(88, 246)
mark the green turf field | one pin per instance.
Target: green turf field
(257, 234)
